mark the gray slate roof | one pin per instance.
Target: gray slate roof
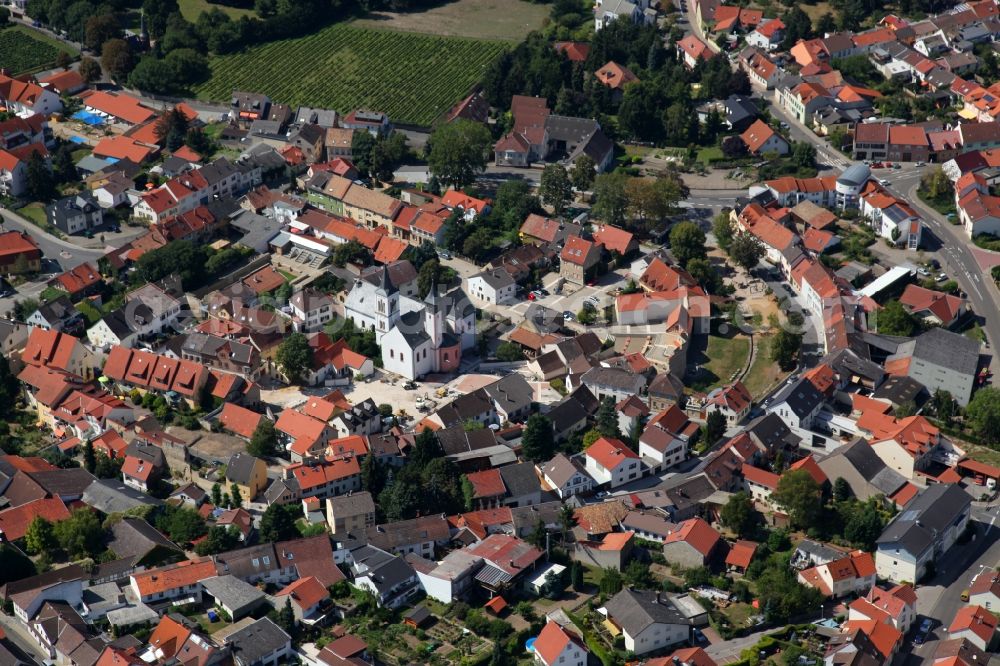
(256, 640)
(635, 610)
(113, 496)
(240, 467)
(134, 537)
(232, 592)
(948, 350)
(927, 515)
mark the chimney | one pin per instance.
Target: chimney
(657, 597)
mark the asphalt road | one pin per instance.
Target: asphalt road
(67, 254)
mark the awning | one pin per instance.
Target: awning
(968, 114)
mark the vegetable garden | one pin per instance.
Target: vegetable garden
(23, 53)
(411, 77)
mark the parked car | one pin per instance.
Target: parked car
(444, 254)
(922, 633)
(568, 316)
(924, 272)
(921, 164)
(941, 277)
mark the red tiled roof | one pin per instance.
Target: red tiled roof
(173, 576)
(122, 147)
(809, 464)
(551, 642)
(760, 477)
(487, 483)
(305, 592)
(741, 553)
(976, 619)
(239, 420)
(14, 522)
(615, 76)
(574, 51)
(168, 637)
(80, 278)
(609, 452)
(696, 533)
(576, 250)
(613, 239)
(121, 106)
(757, 135)
(311, 476)
(17, 242)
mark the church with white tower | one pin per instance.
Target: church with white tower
(417, 337)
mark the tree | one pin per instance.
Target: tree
(841, 490)
(218, 540)
(236, 495)
(590, 437)
(216, 494)
(804, 155)
(41, 185)
(117, 59)
(555, 187)
(172, 127)
(64, 60)
(722, 229)
(864, 527)
(607, 418)
(893, 319)
(389, 152)
(800, 495)
(944, 406)
(983, 414)
(181, 524)
(653, 199)
(739, 515)
(264, 441)
(567, 520)
(458, 151)
(81, 534)
(40, 537)
(295, 356)
(583, 172)
(89, 69)
(89, 456)
(746, 251)
(797, 26)
(372, 475)
(610, 198)
(715, 427)
(826, 24)
(278, 523)
(706, 275)
(611, 582)
(362, 148)
(538, 443)
(100, 29)
(510, 352)
(785, 348)
(687, 242)
(576, 575)
(286, 616)
(936, 184)
(351, 252)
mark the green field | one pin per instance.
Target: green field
(23, 50)
(192, 9)
(413, 78)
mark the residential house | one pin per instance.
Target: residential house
(977, 625)
(760, 139)
(172, 582)
(19, 253)
(248, 473)
(352, 513)
(578, 259)
(648, 620)
(494, 286)
(692, 544)
(308, 598)
(75, 214)
(924, 532)
(939, 359)
(558, 646)
(848, 575)
(665, 439)
(260, 643)
(610, 461)
(566, 476)
(896, 606)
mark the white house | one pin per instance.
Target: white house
(566, 476)
(637, 11)
(797, 405)
(494, 286)
(648, 620)
(556, 646)
(609, 461)
(311, 309)
(923, 533)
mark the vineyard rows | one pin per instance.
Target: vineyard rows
(414, 78)
(21, 53)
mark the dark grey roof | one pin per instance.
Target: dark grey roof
(456, 439)
(690, 491)
(71, 206)
(411, 327)
(666, 385)
(134, 537)
(279, 487)
(615, 379)
(848, 363)
(898, 390)
(113, 496)
(251, 562)
(497, 278)
(403, 533)
(65, 482)
(860, 456)
(511, 393)
(948, 350)
(233, 592)
(740, 109)
(352, 504)
(58, 309)
(567, 413)
(257, 640)
(925, 517)
(801, 396)
(635, 610)
(240, 467)
(385, 570)
(771, 432)
(465, 407)
(520, 479)
(525, 518)
(570, 129)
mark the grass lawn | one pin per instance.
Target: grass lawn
(982, 453)
(764, 372)
(36, 213)
(709, 153)
(80, 153)
(738, 614)
(719, 359)
(413, 78)
(51, 294)
(285, 274)
(508, 20)
(192, 9)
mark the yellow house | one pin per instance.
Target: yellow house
(369, 207)
(248, 473)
